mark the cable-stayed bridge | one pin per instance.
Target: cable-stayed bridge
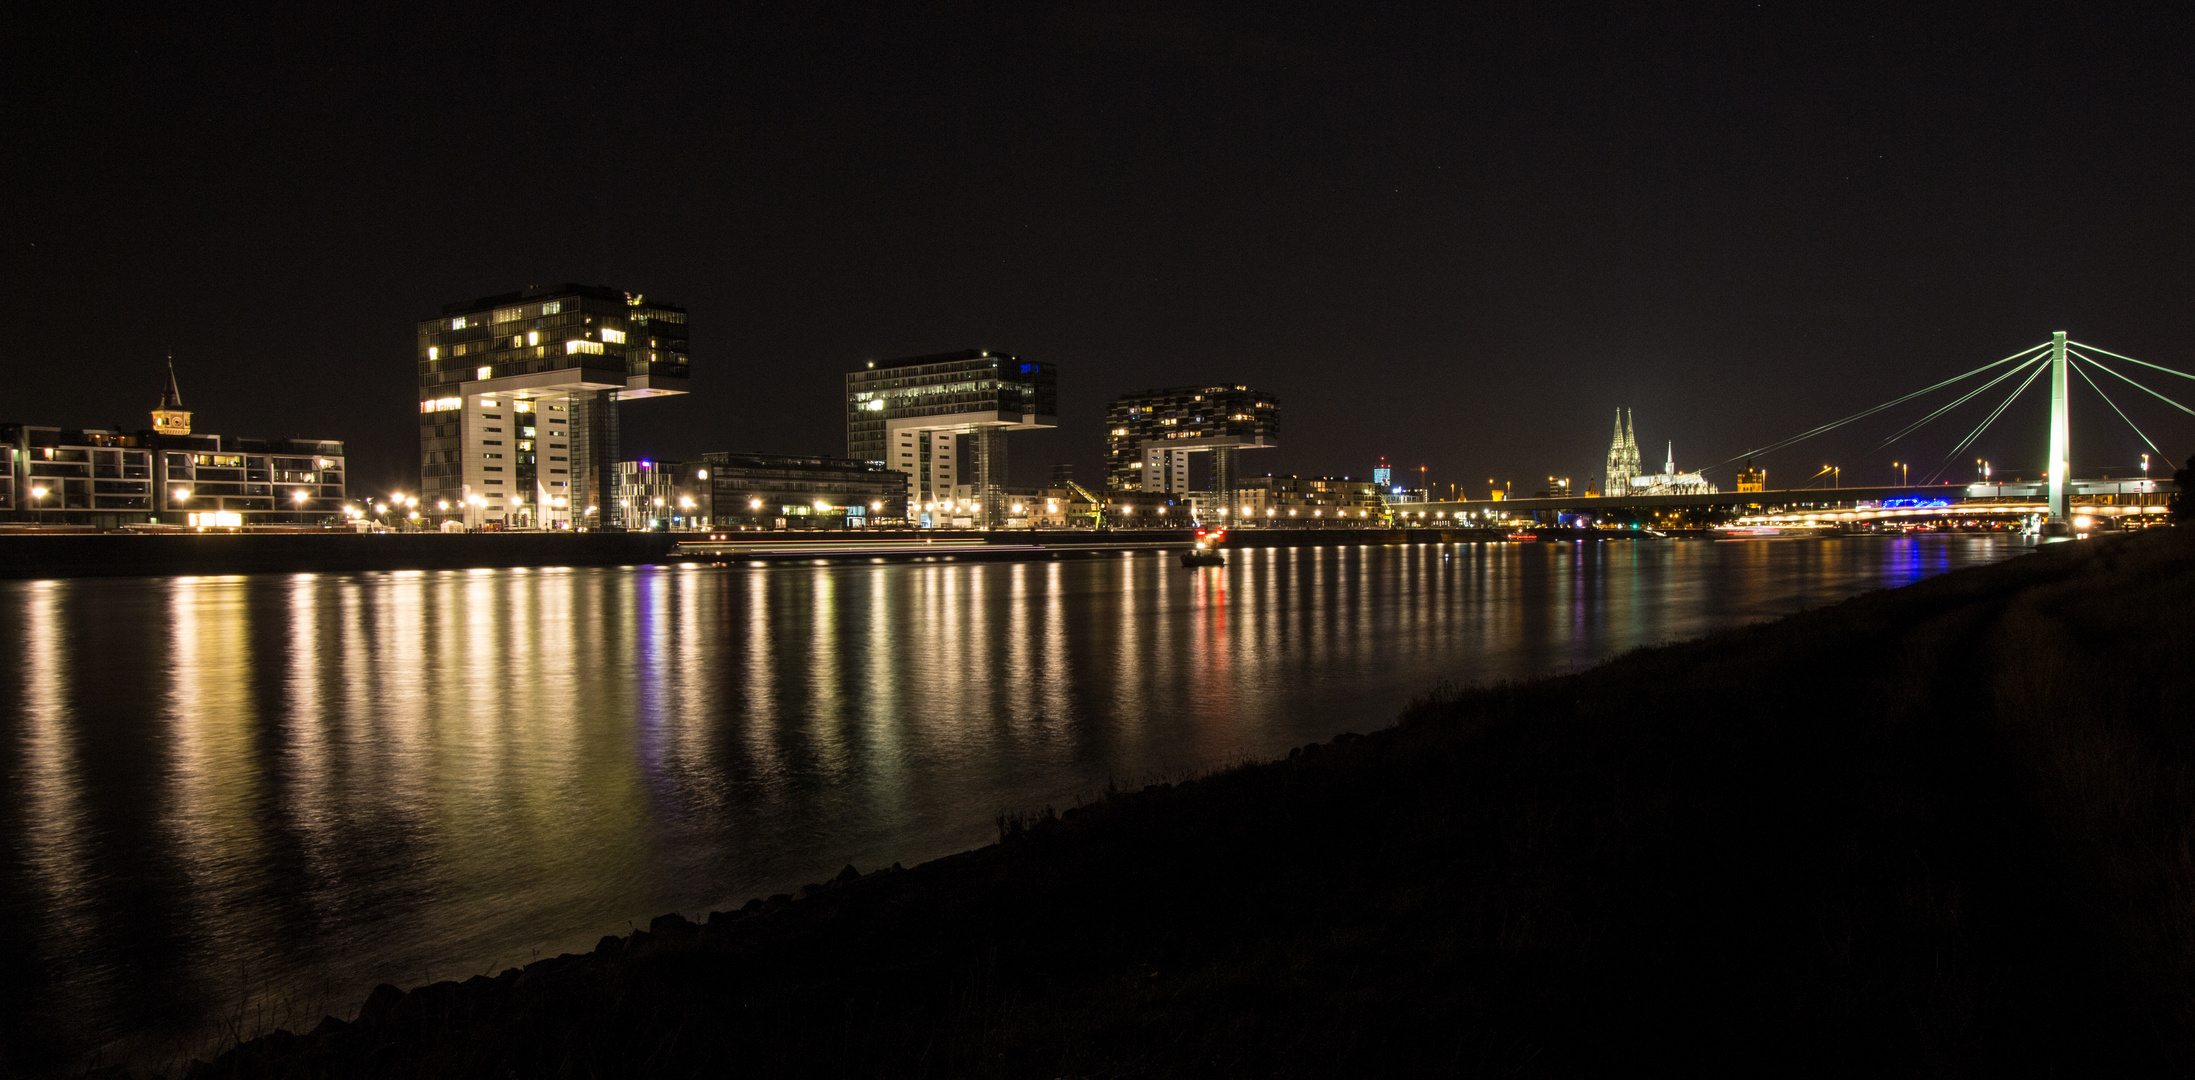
(2051, 502)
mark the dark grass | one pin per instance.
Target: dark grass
(1945, 830)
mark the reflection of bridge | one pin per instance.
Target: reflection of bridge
(2105, 498)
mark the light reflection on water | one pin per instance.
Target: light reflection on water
(249, 799)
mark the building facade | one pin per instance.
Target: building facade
(1297, 501)
(941, 422)
(519, 396)
(1150, 434)
(168, 475)
(1671, 482)
(759, 491)
(1623, 457)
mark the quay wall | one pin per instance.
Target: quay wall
(122, 554)
(158, 555)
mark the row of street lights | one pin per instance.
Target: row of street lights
(38, 495)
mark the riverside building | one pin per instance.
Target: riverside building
(519, 401)
(759, 491)
(167, 475)
(1150, 434)
(1300, 501)
(941, 422)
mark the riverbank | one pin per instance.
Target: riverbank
(63, 553)
(1940, 829)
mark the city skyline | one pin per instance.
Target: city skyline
(1464, 239)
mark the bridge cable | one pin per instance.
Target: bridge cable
(2138, 386)
(1984, 425)
(1969, 396)
(1870, 412)
(2131, 360)
(2078, 369)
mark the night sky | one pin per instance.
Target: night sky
(1457, 239)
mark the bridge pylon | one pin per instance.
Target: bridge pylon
(2060, 428)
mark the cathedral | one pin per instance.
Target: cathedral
(1627, 476)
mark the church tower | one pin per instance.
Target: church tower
(1623, 457)
(171, 418)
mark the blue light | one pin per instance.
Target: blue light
(1027, 368)
(1899, 504)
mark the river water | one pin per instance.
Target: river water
(237, 802)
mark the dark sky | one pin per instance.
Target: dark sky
(1456, 236)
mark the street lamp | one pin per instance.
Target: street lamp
(298, 497)
(38, 502)
(1905, 469)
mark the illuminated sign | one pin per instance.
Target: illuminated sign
(1905, 504)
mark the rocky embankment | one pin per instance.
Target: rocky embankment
(1942, 830)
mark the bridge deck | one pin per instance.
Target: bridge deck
(2100, 492)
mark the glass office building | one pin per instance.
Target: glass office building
(519, 396)
(942, 421)
(760, 491)
(1150, 434)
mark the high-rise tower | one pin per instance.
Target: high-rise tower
(1150, 434)
(911, 416)
(518, 401)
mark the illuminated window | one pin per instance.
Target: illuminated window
(491, 455)
(433, 353)
(481, 373)
(503, 315)
(533, 337)
(577, 346)
(614, 337)
(552, 307)
(457, 323)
